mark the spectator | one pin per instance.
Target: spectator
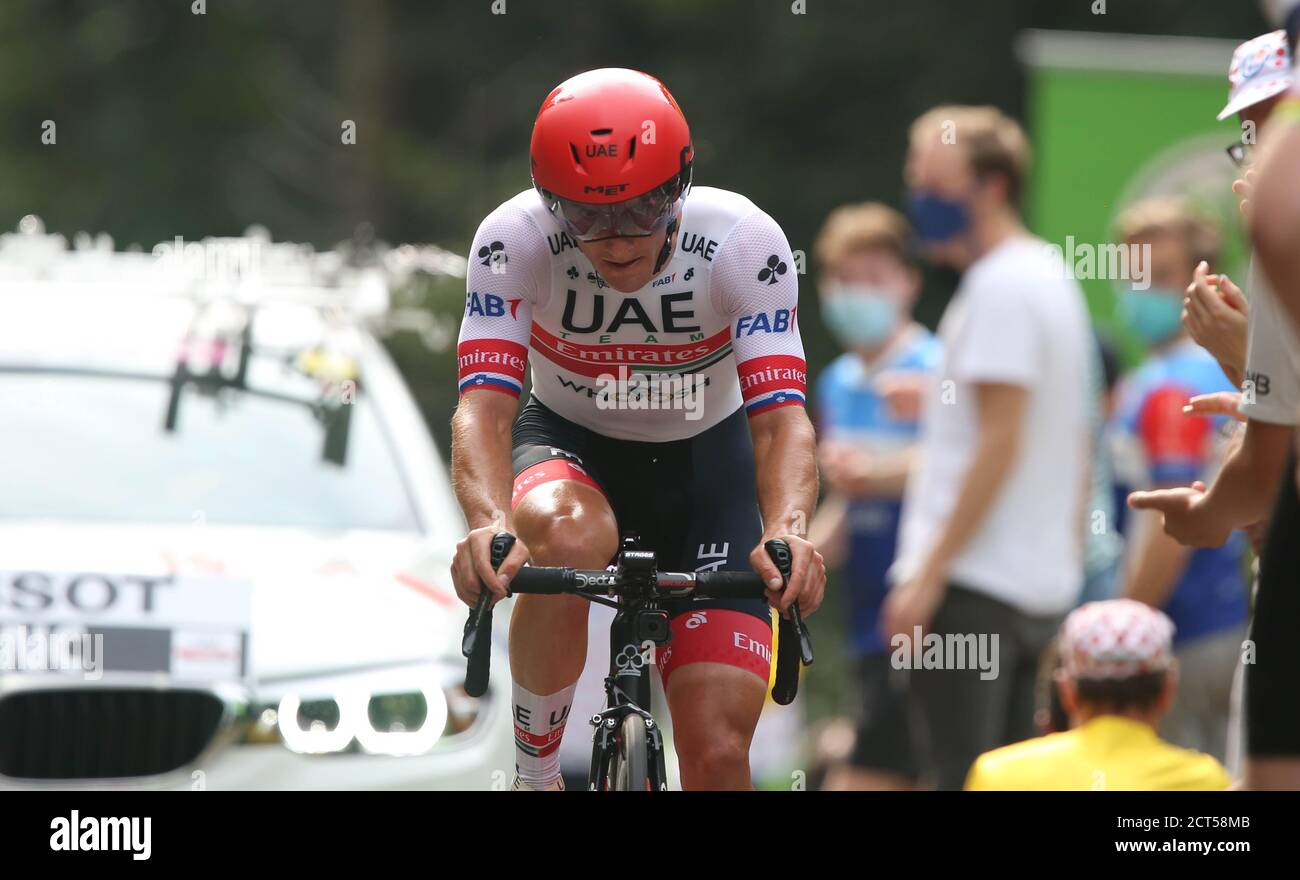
(1159, 446)
(1273, 742)
(1217, 315)
(992, 529)
(1118, 677)
(868, 288)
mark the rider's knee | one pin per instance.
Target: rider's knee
(562, 528)
(718, 756)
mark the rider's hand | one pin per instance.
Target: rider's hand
(1214, 312)
(473, 560)
(807, 582)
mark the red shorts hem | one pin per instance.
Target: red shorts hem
(718, 635)
(545, 472)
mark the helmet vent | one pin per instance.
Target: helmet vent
(601, 132)
(577, 160)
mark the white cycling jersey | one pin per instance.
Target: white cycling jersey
(718, 324)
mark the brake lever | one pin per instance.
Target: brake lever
(805, 640)
(780, 553)
(481, 617)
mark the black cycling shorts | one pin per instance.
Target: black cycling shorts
(693, 502)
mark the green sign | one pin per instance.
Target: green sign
(1115, 119)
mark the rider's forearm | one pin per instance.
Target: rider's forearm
(480, 460)
(785, 460)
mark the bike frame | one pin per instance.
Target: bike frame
(627, 692)
(627, 686)
(634, 588)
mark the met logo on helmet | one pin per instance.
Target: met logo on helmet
(609, 189)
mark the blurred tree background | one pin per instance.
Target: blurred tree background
(170, 122)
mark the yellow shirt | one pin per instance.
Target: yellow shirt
(1107, 753)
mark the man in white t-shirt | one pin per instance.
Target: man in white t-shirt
(990, 550)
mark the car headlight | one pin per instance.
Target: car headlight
(398, 711)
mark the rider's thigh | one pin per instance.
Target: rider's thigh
(715, 708)
(566, 522)
(569, 523)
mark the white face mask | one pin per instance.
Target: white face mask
(859, 314)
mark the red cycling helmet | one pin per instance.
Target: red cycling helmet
(611, 153)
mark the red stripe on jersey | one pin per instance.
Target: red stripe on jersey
(773, 372)
(491, 356)
(597, 360)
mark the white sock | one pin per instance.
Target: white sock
(539, 725)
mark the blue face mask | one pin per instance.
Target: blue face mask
(1155, 315)
(859, 315)
(936, 219)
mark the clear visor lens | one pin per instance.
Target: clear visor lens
(639, 216)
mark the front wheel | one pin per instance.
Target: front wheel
(630, 768)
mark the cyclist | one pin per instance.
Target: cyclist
(668, 383)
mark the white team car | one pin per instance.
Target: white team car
(224, 533)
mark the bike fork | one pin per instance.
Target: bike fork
(606, 725)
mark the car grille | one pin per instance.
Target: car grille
(104, 733)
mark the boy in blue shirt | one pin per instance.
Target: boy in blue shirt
(866, 406)
(1159, 445)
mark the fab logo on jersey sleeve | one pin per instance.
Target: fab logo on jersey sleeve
(491, 305)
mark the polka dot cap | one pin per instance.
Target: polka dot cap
(1261, 68)
(1118, 638)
